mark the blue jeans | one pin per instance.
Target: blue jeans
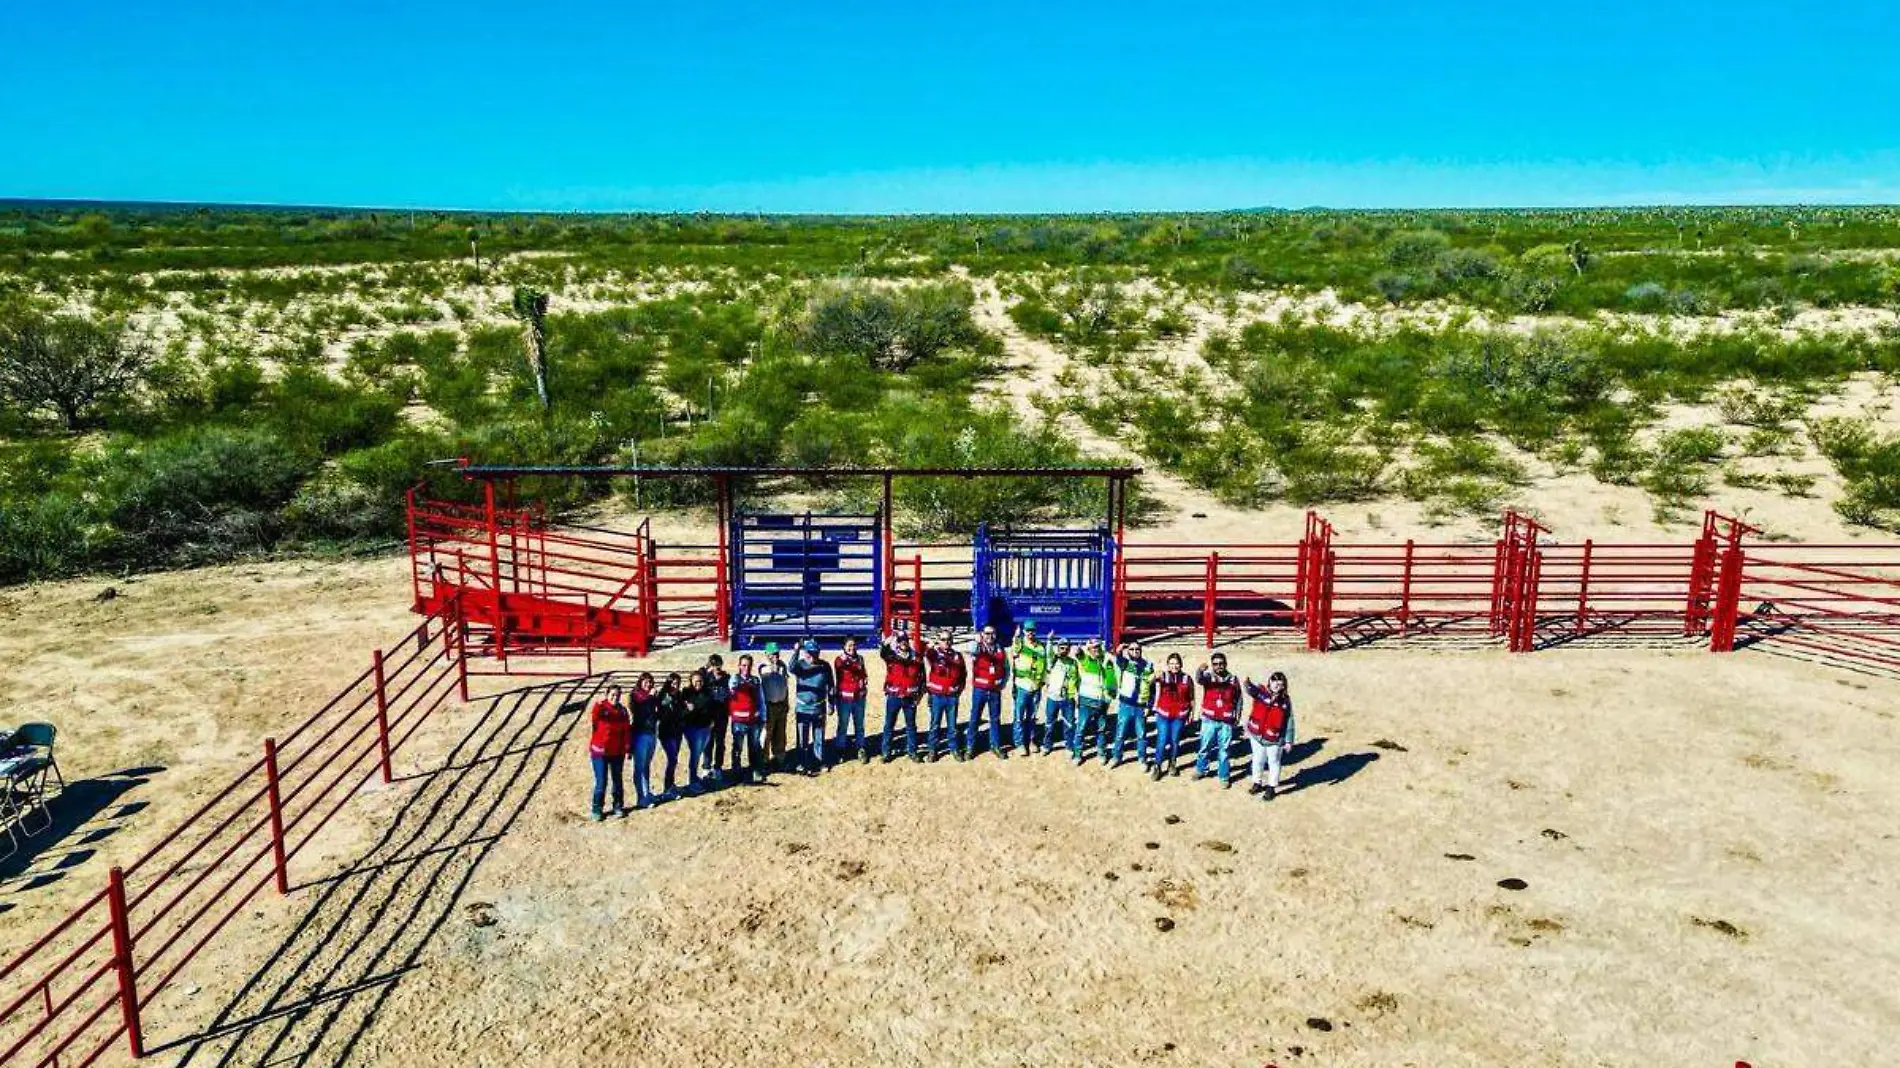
(1216, 739)
(851, 722)
(811, 738)
(1131, 719)
(1061, 710)
(670, 745)
(892, 707)
(643, 769)
(1024, 731)
(606, 769)
(716, 742)
(697, 738)
(943, 712)
(980, 700)
(1167, 740)
(748, 748)
(1089, 714)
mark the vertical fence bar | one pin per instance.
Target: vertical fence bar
(494, 569)
(274, 793)
(1728, 600)
(917, 598)
(1583, 587)
(122, 961)
(461, 655)
(1210, 595)
(382, 714)
(415, 560)
(1405, 592)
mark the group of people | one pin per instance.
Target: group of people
(1078, 695)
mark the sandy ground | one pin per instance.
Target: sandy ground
(1708, 876)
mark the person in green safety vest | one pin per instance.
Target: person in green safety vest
(1028, 663)
(1059, 687)
(1134, 692)
(1095, 681)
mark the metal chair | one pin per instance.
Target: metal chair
(40, 736)
(26, 774)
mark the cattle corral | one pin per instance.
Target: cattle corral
(1704, 841)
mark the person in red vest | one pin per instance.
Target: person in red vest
(854, 686)
(1174, 705)
(1220, 710)
(1269, 731)
(989, 674)
(945, 678)
(611, 734)
(903, 685)
(747, 710)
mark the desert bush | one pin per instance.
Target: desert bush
(1416, 250)
(1870, 465)
(890, 329)
(208, 493)
(70, 366)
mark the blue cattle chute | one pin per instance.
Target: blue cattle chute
(1063, 579)
(799, 576)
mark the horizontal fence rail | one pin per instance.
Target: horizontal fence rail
(81, 988)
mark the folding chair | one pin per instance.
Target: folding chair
(40, 736)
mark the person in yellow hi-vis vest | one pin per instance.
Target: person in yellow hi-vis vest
(1028, 663)
(1095, 682)
(1059, 687)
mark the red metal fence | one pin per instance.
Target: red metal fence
(82, 987)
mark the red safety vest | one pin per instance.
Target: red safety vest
(988, 669)
(1268, 719)
(1174, 695)
(1220, 700)
(947, 672)
(611, 730)
(852, 677)
(903, 678)
(746, 700)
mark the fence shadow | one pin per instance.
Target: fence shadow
(86, 812)
(366, 927)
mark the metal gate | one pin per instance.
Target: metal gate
(806, 576)
(1063, 579)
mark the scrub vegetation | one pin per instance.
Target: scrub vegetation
(180, 385)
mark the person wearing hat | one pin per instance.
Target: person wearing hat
(1095, 681)
(903, 685)
(775, 686)
(989, 672)
(1028, 663)
(945, 674)
(813, 686)
(1059, 685)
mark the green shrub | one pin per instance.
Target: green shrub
(208, 493)
(46, 536)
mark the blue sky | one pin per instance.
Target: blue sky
(978, 106)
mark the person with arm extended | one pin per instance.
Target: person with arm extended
(812, 682)
(1059, 685)
(1028, 663)
(1220, 709)
(989, 674)
(903, 685)
(1269, 732)
(1134, 693)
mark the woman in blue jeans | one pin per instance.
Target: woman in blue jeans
(644, 714)
(699, 719)
(672, 723)
(607, 751)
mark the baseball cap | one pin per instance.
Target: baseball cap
(1029, 625)
(771, 647)
(810, 646)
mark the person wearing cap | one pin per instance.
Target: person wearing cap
(1095, 681)
(1134, 693)
(945, 674)
(853, 684)
(1028, 663)
(775, 685)
(989, 673)
(1059, 686)
(813, 684)
(903, 685)
(1220, 711)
